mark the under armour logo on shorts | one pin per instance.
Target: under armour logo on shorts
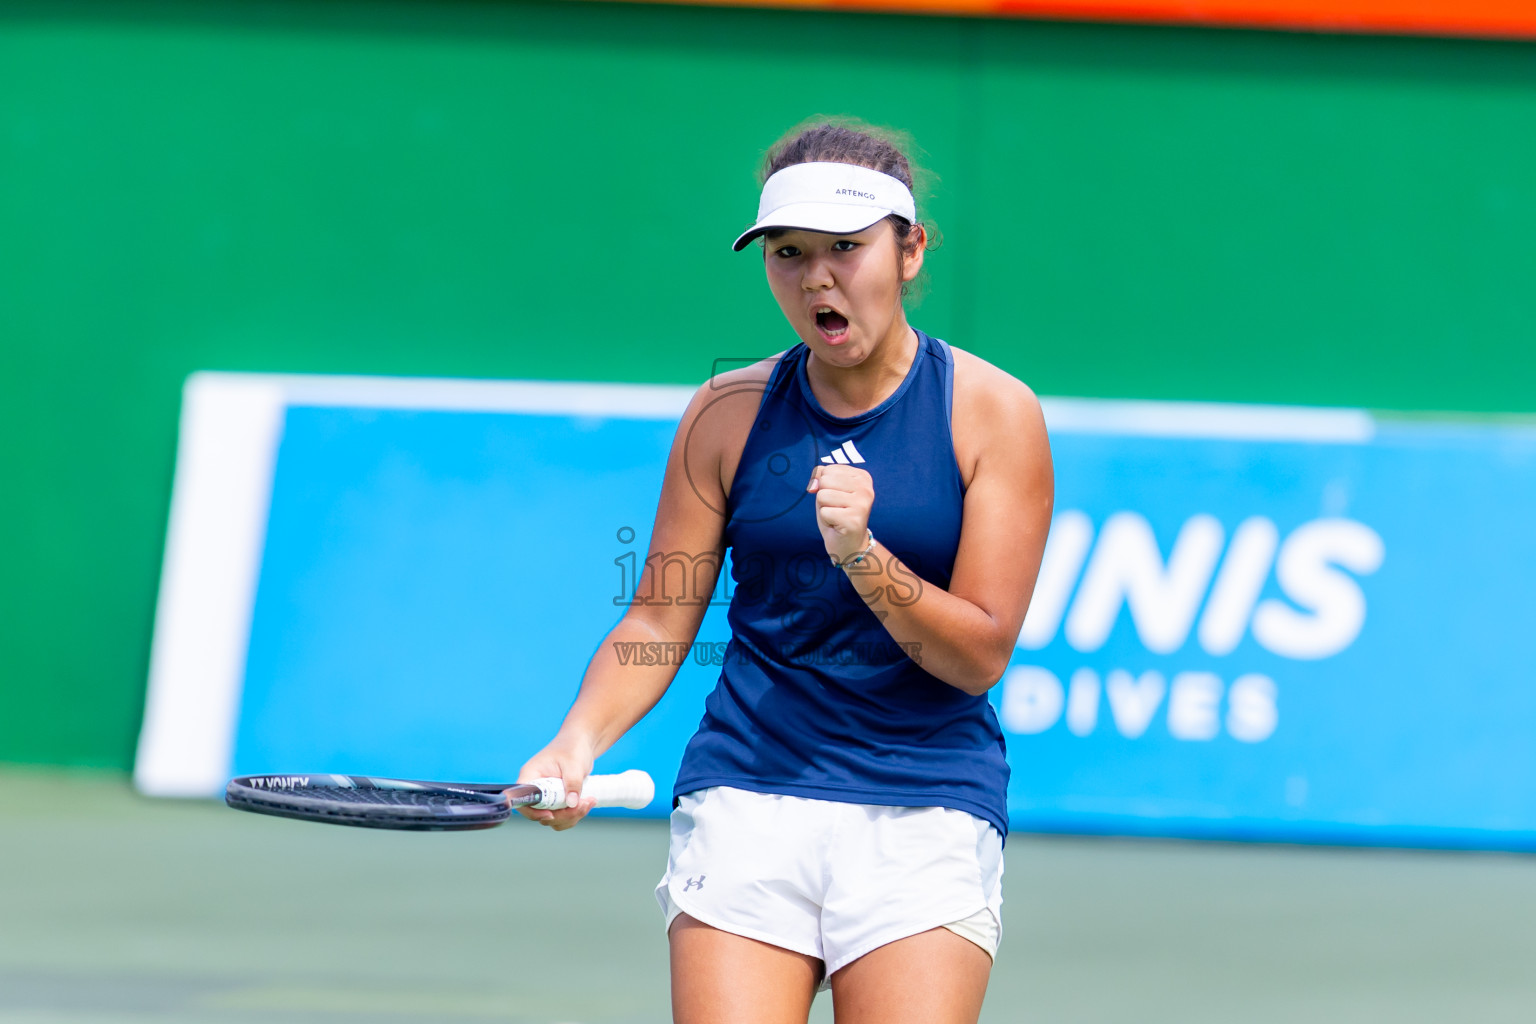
(693, 884)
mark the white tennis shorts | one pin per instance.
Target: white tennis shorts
(829, 879)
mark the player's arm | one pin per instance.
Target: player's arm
(966, 634)
(687, 540)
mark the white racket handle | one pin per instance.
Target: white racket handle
(633, 789)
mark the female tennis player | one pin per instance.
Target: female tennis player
(840, 812)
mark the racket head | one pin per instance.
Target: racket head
(366, 801)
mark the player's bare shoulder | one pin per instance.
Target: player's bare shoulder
(720, 416)
(996, 415)
(740, 376)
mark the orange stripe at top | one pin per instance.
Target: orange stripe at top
(1489, 18)
(1513, 18)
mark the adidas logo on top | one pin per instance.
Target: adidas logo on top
(844, 454)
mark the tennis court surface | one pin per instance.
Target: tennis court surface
(114, 908)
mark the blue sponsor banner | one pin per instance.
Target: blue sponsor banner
(1302, 641)
(1309, 638)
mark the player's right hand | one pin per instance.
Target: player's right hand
(570, 761)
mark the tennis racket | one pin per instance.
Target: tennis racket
(365, 801)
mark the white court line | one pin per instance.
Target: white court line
(230, 428)
(567, 398)
(1208, 421)
(1129, 417)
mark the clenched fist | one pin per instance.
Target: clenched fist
(844, 496)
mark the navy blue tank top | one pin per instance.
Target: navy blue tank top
(815, 699)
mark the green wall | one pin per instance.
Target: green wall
(547, 190)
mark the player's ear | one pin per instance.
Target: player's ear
(913, 251)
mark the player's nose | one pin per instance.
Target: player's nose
(817, 275)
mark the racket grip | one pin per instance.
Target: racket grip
(633, 789)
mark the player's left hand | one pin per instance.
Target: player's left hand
(844, 496)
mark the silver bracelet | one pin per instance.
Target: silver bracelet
(856, 559)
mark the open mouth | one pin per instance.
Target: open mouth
(832, 324)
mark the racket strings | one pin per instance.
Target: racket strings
(398, 797)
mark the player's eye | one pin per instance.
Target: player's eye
(845, 245)
(786, 251)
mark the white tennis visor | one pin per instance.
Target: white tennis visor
(835, 198)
